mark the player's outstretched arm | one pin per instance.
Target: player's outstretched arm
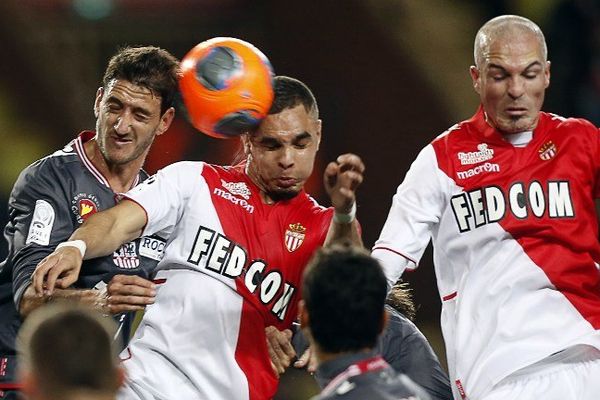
(100, 235)
(91, 297)
(342, 177)
(123, 293)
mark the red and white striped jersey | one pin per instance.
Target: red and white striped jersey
(515, 233)
(232, 266)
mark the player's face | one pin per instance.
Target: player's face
(128, 120)
(281, 153)
(511, 82)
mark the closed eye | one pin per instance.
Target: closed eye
(269, 143)
(303, 140)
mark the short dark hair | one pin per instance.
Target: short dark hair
(289, 93)
(148, 66)
(344, 291)
(69, 349)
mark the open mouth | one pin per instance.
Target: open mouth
(121, 140)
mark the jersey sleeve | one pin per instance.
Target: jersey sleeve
(416, 208)
(164, 195)
(40, 219)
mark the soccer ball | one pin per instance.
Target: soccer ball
(227, 86)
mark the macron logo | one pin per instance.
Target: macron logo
(235, 200)
(487, 167)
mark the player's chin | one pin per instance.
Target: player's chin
(280, 194)
(121, 157)
(517, 125)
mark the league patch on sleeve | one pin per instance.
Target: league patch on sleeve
(41, 224)
(152, 248)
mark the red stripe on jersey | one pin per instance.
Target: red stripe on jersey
(460, 388)
(261, 231)
(128, 357)
(250, 355)
(395, 252)
(449, 296)
(565, 247)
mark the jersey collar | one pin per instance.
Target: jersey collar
(241, 169)
(78, 142)
(481, 128)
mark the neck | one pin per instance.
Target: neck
(265, 198)
(120, 176)
(323, 356)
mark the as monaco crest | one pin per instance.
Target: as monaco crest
(547, 151)
(294, 236)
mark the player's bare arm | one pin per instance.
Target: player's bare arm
(123, 293)
(102, 234)
(342, 177)
(90, 297)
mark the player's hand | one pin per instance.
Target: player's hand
(60, 269)
(341, 178)
(129, 293)
(280, 348)
(307, 360)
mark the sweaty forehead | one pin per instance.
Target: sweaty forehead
(130, 92)
(289, 122)
(517, 50)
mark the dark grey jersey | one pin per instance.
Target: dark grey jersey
(51, 198)
(360, 376)
(405, 348)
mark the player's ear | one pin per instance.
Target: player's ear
(475, 77)
(99, 94)
(165, 121)
(246, 143)
(319, 126)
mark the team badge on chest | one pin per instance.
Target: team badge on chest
(294, 236)
(84, 205)
(548, 151)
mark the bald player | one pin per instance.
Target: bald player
(508, 199)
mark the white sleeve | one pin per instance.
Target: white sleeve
(165, 195)
(416, 210)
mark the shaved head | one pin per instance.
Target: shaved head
(505, 27)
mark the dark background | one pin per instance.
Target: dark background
(389, 76)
